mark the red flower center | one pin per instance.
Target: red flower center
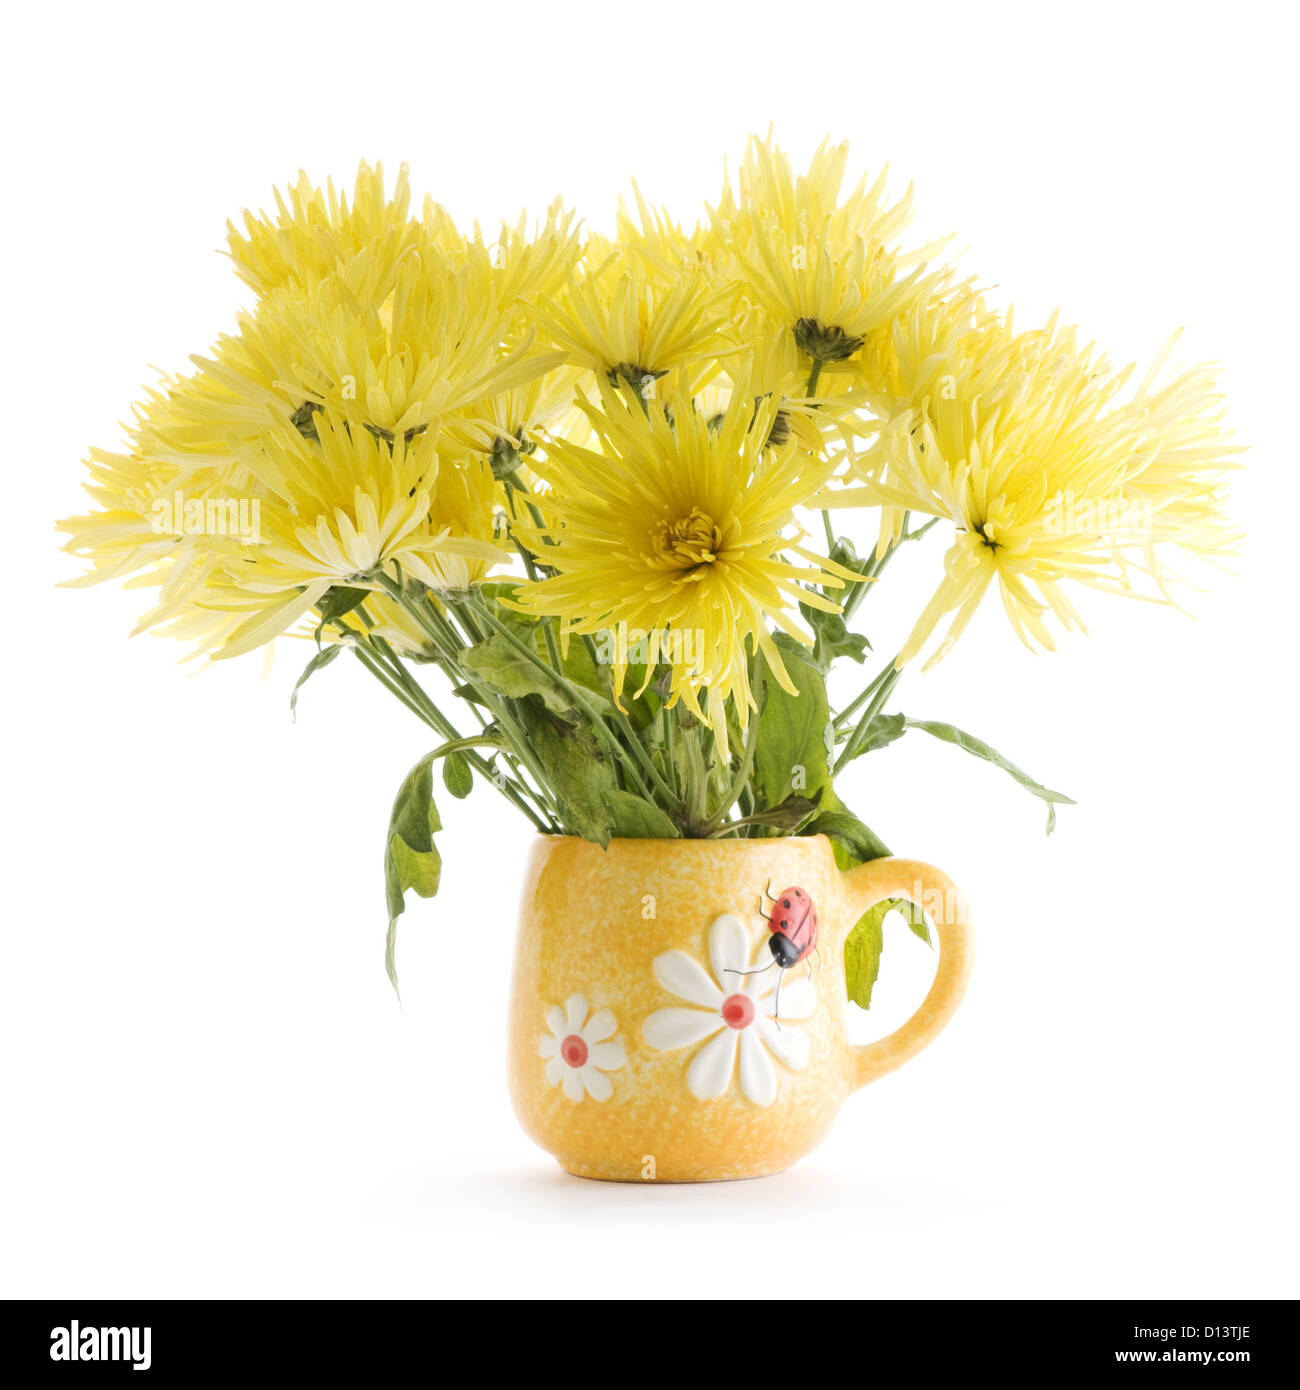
(574, 1050)
(738, 1011)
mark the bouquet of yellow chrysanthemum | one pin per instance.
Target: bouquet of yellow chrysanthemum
(563, 475)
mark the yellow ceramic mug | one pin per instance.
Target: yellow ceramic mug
(656, 1035)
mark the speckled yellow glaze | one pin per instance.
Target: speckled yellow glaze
(592, 924)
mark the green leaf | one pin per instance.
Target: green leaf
(866, 942)
(507, 670)
(914, 916)
(337, 603)
(845, 553)
(791, 756)
(499, 663)
(884, 729)
(862, 955)
(317, 663)
(576, 771)
(832, 638)
(635, 818)
(457, 775)
(978, 748)
(411, 860)
(792, 815)
(853, 841)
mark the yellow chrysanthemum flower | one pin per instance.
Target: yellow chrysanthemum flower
(316, 233)
(678, 527)
(524, 267)
(627, 318)
(466, 507)
(665, 245)
(433, 346)
(1049, 477)
(507, 427)
(917, 354)
(340, 507)
(775, 365)
(824, 267)
(239, 553)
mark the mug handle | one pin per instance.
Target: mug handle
(932, 889)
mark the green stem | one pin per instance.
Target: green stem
(862, 696)
(830, 532)
(507, 788)
(517, 790)
(740, 780)
(863, 730)
(672, 800)
(697, 781)
(530, 569)
(878, 566)
(581, 700)
(668, 713)
(449, 646)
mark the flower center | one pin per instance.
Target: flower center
(688, 542)
(738, 1011)
(574, 1050)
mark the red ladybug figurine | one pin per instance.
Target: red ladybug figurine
(793, 924)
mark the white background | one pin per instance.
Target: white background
(206, 1087)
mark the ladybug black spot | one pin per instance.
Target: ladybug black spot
(785, 903)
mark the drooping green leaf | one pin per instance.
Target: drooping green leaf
(635, 818)
(411, 860)
(508, 671)
(318, 662)
(914, 916)
(792, 754)
(866, 942)
(518, 662)
(862, 951)
(853, 841)
(457, 775)
(979, 749)
(577, 772)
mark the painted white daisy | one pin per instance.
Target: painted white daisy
(580, 1050)
(735, 1011)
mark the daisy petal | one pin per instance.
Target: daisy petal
(729, 952)
(601, 1025)
(710, 1073)
(685, 978)
(763, 981)
(788, 1044)
(798, 998)
(575, 1013)
(555, 1020)
(757, 1078)
(572, 1084)
(667, 1029)
(608, 1056)
(556, 1069)
(599, 1086)
(547, 1044)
